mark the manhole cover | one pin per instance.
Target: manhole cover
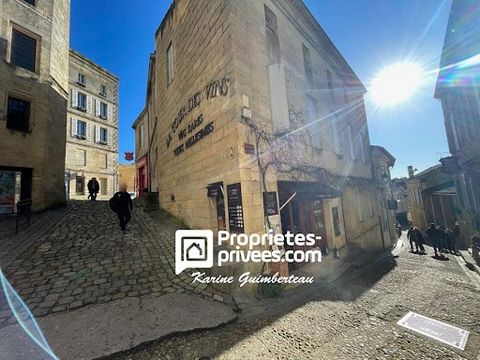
(435, 329)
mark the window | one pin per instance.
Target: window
(455, 141)
(103, 110)
(103, 186)
(81, 79)
(103, 90)
(80, 185)
(362, 147)
(307, 64)
(24, 50)
(81, 129)
(82, 102)
(169, 64)
(103, 135)
(273, 42)
(18, 114)
(336, 136)
(31, 2)
(350, 141)
(140, 136)
(313, 121)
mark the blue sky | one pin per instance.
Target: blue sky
(371, 34)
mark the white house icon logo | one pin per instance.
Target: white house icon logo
(193, 249)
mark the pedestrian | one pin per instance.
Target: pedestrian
(418, 240)
(432, 233)
(442, 239)
(122, 204)
(410, 237)
(450, 241)
(399, 230)
(93, 189)
(456, 232)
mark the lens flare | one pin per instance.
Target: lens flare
(396, 83)
(24, 317)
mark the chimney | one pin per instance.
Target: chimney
(410, 172)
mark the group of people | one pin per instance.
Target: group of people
(442, 240)
(120, 203)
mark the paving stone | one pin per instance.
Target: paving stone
(78, 261)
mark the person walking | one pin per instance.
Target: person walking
(450, 241)
(433, 234)
(411, 238)
(418, 240)
(122, 204)
(93, 189)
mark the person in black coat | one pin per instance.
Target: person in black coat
(434, 236)
(418, 239)
(93, 189)
(123, 206)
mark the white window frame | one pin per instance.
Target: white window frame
(79, 123)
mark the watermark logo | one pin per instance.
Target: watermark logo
(193, 249)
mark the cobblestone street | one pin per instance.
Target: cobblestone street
(353, 318)
(83, 258)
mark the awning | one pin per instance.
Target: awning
(313, 189)
(215, 190)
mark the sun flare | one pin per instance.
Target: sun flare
(396, 83)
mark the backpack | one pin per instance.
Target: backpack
(113, 202)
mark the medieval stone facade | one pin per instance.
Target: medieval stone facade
(458, 89)
(34, 45)
(92, 129)
(260, 124)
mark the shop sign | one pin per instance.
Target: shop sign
(270, 203)
(249, 149)
(235, 208)
(212, 90)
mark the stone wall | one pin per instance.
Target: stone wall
(227, 40)
(42, 148)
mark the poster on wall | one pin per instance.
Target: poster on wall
(270, 203)
(235, 208)
(7, 192)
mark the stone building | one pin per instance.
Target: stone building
(399, 193)
(432, 198)
(126, 173)
(383, 161)
(146, 139)
(34, 43)
(458, 89)
(260, 123)
(92, 129)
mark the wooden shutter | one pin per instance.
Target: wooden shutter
(89, 105)
(109, 112)
(97, 134)
(74, 98)
(278, 97)
(97, 107)
(73, 125)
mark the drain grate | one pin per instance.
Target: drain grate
(435, 329)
